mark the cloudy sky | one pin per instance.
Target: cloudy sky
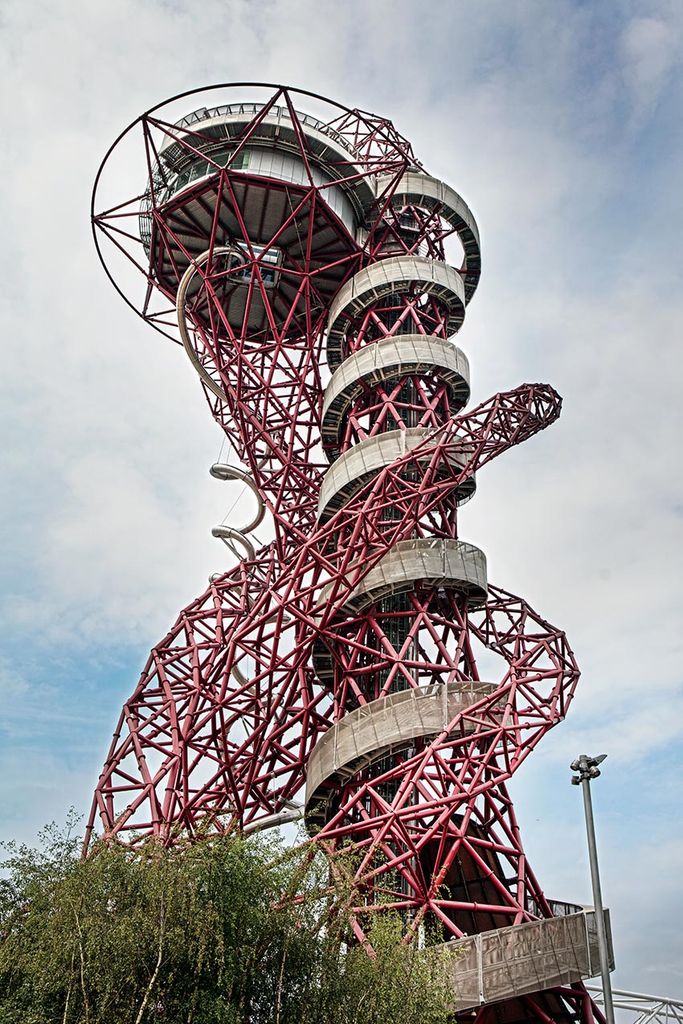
(559, 122)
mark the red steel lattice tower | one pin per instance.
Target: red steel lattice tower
(305, 262)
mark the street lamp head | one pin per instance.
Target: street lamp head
(587, 767)
(591, 762)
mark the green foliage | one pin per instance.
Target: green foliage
(198, 934)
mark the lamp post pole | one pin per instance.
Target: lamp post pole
(587, 769)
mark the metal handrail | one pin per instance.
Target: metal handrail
(160, 182)
(226, 109)
(647, 1009)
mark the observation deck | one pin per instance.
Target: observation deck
(217, 133)
(267, 197)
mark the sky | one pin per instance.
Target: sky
(559, 123)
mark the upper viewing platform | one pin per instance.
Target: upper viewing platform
(302, 192)
(211, 138)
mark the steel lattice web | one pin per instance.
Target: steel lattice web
(273, 240)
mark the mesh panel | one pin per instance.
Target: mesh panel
(522, 959)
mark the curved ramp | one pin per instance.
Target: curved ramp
(385, 362)
(417, 189)
(386, 277)
(359, 464)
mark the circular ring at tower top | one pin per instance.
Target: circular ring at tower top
(359, 464)
(425, 192)
(388, 276)
(388, 360)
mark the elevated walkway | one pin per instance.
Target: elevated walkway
(522, 959)
(368, 733)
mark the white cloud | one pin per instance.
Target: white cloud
(651, 48)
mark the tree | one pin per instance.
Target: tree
(221, 931)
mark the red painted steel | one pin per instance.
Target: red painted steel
(218, 731)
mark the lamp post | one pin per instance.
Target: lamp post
(587, 769)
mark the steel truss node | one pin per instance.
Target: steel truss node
(342, 658)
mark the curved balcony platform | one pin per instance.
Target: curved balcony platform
(394, 275)
(451, 564)
(522, 959)
(427, 193)
(359, 464)
(366, 734)
(384, 362)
